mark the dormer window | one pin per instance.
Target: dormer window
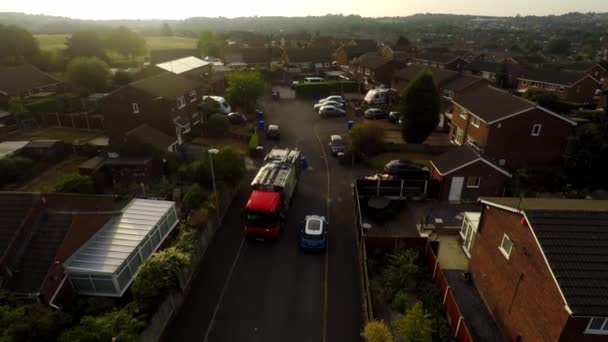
(181, 102)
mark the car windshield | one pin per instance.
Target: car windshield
(337, 142)
(261, 220)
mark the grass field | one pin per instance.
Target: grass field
(52, 42)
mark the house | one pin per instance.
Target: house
(570, 86)
(462, 174)
(489, 70)
(24, 81)
(166, 55)
(592, 69)
(353, 49)
(296, 40)
(308, 58)
(373, 66)
(509, 130)
(251, 57)
(540, 267)
(441, 60)
(166, 102)
(190, 67)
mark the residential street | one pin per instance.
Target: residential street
(254, 291)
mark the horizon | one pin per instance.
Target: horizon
(181, 9)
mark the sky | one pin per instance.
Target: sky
(181, 9)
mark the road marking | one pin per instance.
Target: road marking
(223, 292)
(327, 213)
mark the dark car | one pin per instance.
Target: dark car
(237, 118)
(375, 114)
(329, 111)
(273, 132)
(404, 168)
(394, 116)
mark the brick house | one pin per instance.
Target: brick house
(570, 86)
(509, 130)
(489, 70)
(26, 80)
(353, 49)
(442, 60)
(540, 267)
(166, 102)
(463, 175)
(592, 69)
(374, 67)
(308, 58)
(190, 67)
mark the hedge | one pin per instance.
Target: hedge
(323, 89)
(46, 105)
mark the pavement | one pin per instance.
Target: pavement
(270, 291)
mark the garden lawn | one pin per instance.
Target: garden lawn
(51, 42)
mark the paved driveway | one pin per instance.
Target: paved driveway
(251, 291)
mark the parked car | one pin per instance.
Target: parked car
(328, 103)
(237, 118)
(375, 114)
(273, 132)
(313, 236)
(336, 98)
(336, 144)
(394, 117)
(329, 111)
(403, 168)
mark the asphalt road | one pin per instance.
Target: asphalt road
(252, 291)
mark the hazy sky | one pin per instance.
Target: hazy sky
(180, 9)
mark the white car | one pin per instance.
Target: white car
(336, 98)
(328, 103)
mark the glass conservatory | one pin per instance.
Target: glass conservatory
(108, 262)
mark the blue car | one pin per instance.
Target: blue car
(313, 236)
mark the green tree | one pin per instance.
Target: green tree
(245, 88)
(420, 108)
(402, 42)
(33, 322)
(502, 76)
(125, 41)
(209, 44)
(217, 126)
(158, 277)
(416, 325)
(228, 166)
(366, 138)
(75, 183)
(14, 168)
(194, 197)
(558, 46)
(89, 74)
(401, 271)
(51, 61)
(165, 30)
(376, 331)
(121, 78)
(18, 46)
(118, 325)
(590, 151)
(86, 44)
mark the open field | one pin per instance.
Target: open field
(51, 42)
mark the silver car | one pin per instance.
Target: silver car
(335, 98)
(336, 144)
(329, 111)
(328, 103)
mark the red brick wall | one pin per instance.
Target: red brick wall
(596, 72)
(492, 182)
(514, 142)
(519, 292)
(582, 92)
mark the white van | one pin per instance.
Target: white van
(222, 105)
(313, 79)
(377, 96)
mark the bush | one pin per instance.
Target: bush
(89, 74)
(228, 166)
(254, 141)
(402, 271)
(118, 325)
(35, 322)
(46, 105)
(186, 240)
(323, 89)
(217, 126)
(158, 277)
(14, 168)
(415, 325)
(376, 331)
(400, 299)
(76, 183)
(194, 197)
(367, 137)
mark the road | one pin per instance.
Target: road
(251, 291)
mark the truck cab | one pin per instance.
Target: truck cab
(264, 217)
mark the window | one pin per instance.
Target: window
(192, 96)
(448, 93)
(181, 103)
(536, 130)
(505, 246)
(473, 182)
(560, 89)
(524, 82)
(597, 326)
(135, 108)
(463, 113)
(475, 121)
(196, 118)
(458, 137)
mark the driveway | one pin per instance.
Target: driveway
(252, 291)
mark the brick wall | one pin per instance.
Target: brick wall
(492, 182)
(519, 292)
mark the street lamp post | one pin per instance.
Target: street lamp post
(212, 152)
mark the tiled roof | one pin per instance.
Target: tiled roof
(461, 82)
(14, 207)
(261, 55)
(490, 103)
(309, 55)
(411, 71)
(17, 79)
(370, 60)
(151, 136)
(167, 85)
(436, 57)
(451, 160)
(553, 76)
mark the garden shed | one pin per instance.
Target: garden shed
(108, 263)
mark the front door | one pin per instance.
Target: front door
(456, 188)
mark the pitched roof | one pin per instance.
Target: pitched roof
(151, 136)
(411, 71)
(458, 158)
(17, 79)
(461, 82)
(257, 55)
(178, 66)
(573, 236)
(165, 55)
(490, 103)
(167, 85)
(14, 207)
(312, 55)
(554, 76)
(436, 57)
(370, 60)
